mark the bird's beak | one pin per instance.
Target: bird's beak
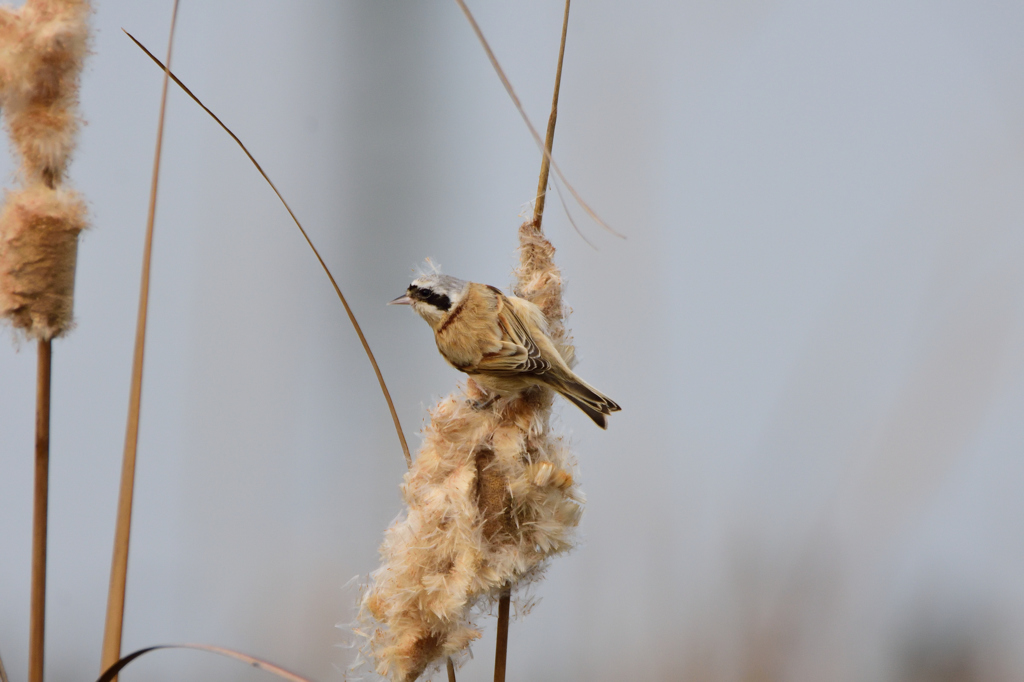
(401, 300)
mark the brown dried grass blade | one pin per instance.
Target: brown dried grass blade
(337, 289)
(3, 672)
(565, 207)
(111, 672)
(522, 112)
(451, 670)
(122, 532)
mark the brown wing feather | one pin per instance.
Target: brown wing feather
(494, 341)
(519, 353)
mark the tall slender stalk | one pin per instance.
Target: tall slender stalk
(549, 139)
(37, 619)
(501, 647)
(122, 533)
(526, 119)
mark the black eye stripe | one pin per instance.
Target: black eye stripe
(435, 299)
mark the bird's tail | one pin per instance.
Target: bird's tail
(594, 404)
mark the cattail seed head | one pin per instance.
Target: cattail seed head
(39, 230)
(491, 497)
(42, 48)
(45, 137)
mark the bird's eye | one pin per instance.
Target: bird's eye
(431, 297)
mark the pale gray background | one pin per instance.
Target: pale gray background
(814, 328)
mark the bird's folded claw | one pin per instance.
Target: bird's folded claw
(481, 404)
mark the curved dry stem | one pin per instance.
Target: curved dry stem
(565, 207)
(122, 532)
(111, 672)
(337, 289)
(533, 131)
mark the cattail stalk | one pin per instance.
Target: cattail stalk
(122, 533)
(491, 497)
(501, 648)
(549, 138)
(42, 48)
(526, 119)
(37, 620)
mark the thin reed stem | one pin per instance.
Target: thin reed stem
(526, 119)
(37, 619)
(451, 670)
(3, 672)
(119, 564)
(337, 289)
(501, 646)
(549, 138)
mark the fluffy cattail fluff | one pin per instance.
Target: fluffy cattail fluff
(42, 49)
(491, 496)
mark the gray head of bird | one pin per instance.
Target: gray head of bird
(433, 296)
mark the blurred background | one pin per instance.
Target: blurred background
(814, 328)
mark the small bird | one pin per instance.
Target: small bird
(500, 341)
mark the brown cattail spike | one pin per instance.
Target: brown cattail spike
(39, 230)
(42, 47)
